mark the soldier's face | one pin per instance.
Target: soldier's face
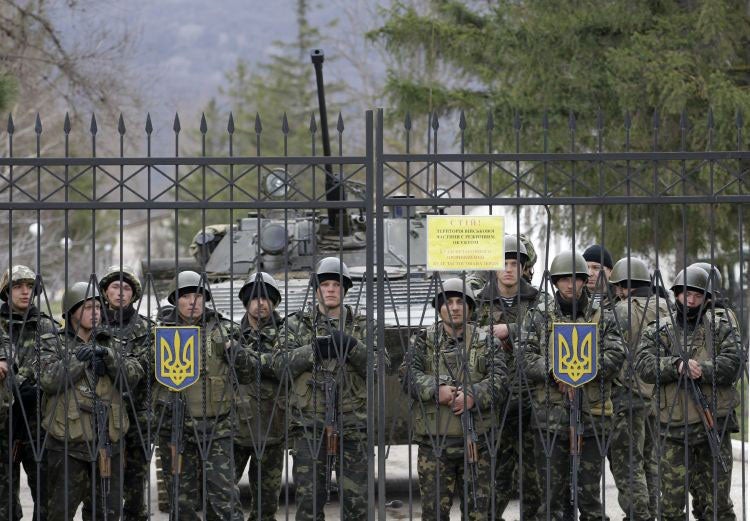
(87, 315)
(453, 311)
(259, 309)
(594, 270)
(119, 294)
(190, 305)
(570, 288)
(512, 272)
(690, 298)
(330, 293)
(21, 294)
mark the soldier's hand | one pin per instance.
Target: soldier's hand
(695, 370)
(463, 402)
(566, 390)
(446, 394)
(500, 331)
(342, 341)
(322, 348)
(85, 352)
(231, 349)
(3, 369)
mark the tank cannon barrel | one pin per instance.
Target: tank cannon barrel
(334, 189)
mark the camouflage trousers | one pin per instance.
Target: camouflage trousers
(443, 472)
(135, 478)
(24, 455)
(311, 473)
(5, 477)
(264, 473)
(651, 462)
(517, 444)
(700, 480)
(84, 485)
(628, 464)
(555, 478)
(221, 494)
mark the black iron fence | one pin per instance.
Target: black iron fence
(345, 415)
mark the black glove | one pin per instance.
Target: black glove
(230, 353)
(343, 343)
(27, 394)
(99, 364)
(85, 352)
(322, 348)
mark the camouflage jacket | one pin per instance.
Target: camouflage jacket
(260, 412)
(716, 345)
(135, 333)
(491, 310)
(294, 359)
(633, 314)
(473, 361)
(208, 401)
(5, 382)
(552, 409)
(27, 329)
(72, 390)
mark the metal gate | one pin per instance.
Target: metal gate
(337, 415)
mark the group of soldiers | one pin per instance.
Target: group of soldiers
(81, 405)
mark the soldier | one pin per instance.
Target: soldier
(552, 400)
(322, 350)
(206, 426)
(455, 372)
(503, 304)
(696, 354)
(632, 448)
(25, 324)
(81, 370)
(5, 452)
(121, 290)
(528, 266)
(599, 262)
(259, 437)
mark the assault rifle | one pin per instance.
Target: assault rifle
(176, 447)
(576, 443)
(699, 401)
(104, 447)
(331, 430)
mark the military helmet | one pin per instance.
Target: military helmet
(454, 286)
(516, 249)
(271, 289)
(692, 277)
(565, 264)
(76, 295)
(530, 251)
(333, 268)
(188, 282)
(128, 275)
(714, 274)
(638, 271)
(18, 273)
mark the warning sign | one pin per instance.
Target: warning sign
(465, 242)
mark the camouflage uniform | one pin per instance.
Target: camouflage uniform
(552, 409)
(72, 390)
(516, 438)
(135, 333)
(715, 344)
(259, 436)
(27, 328)
(294, 359)
(5, 453)
(473, 361)
(631, 460)
(207, 425)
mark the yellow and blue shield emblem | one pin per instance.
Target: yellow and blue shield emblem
(574, 352)
(176, 363)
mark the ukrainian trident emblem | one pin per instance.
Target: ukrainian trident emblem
(574, 352)
(176, 363)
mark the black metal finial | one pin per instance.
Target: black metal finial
(628, 120)
(66, 124)
(149, 126)
(258, 124)
(176, 126)
(407, 121)
(230, 123)
(313, 124)
(516, 120)
(204, 125)
(284, 125)
(340, 124)
(571, 120)
(93, 128)
(462, 121)
(710, 118)
(11, 127)
(121, 125)
(435, 124)
(490, 120)
(599, 120)
(38, 124)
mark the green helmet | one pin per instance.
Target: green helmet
(128, 275)
(188, 282)
(638, 271)
(76, 295)
(333, 268)
(456, 287)
(565, 264)
(18, 273)
(714, 274)
(693, 278)
(530, 251)
(515, 248)
(270, 289)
